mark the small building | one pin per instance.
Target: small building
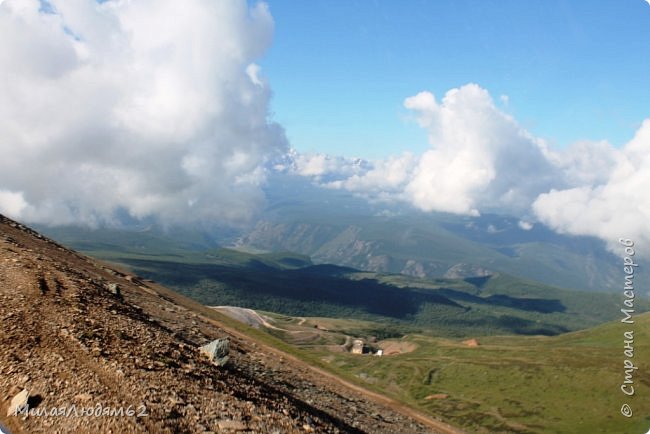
(357, 346)
(379, 352)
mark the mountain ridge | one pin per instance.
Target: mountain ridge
(439, 247)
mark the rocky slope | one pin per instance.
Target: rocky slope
(76, 334)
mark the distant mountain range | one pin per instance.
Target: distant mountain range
(332, 226)
(292, 284)
(437, 246)
(335, 227)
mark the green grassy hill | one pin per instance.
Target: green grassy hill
(561, 384)
(507, 384)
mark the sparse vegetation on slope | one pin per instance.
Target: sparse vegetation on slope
(502, 384)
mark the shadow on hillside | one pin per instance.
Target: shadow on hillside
(522, 303)
(318, 287)
(479, 281)
(320, 290)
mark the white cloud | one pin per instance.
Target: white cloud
(585, 163)
(323, 167)
(525, 225)
(386, 177)
(153, 107)
(480, 159)
(617, 206)
(315, 165)
(12, 203)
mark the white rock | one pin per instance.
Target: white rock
(18, 402)
(217, 351)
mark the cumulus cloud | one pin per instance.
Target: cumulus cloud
(615, 205)
(385, 178)
(480, 159)
(155, 108)
(525, 225)
(585, 163)
(317, 165)
(12, 203)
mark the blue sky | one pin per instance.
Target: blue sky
(340, 70)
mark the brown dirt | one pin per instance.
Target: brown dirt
(436, 396)
(68, 340)
(392, 347)
(471, 343)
